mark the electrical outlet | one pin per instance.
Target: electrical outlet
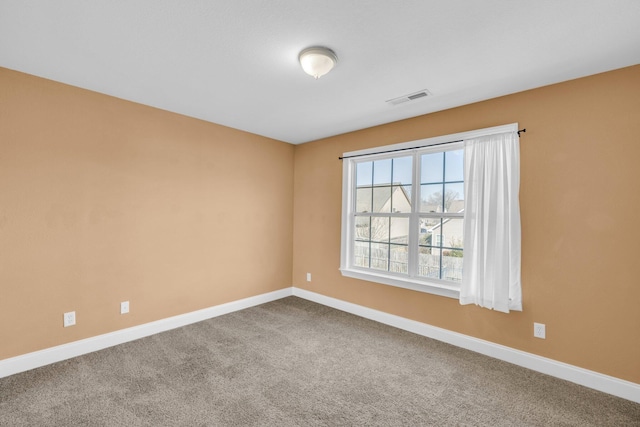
(539, 330)
(69, 318)
(124, 307)
(308, 277)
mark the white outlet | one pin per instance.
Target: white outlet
(539, 330)
(69, 318)
(308, 277)
(124, 307)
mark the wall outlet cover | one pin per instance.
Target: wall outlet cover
(69, 318)
(539, 330)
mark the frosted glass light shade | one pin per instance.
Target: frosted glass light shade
(317, 61)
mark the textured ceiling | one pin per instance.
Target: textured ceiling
(235, 63)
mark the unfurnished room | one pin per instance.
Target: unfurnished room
(329, 213)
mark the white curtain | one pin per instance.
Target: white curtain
(492, 239)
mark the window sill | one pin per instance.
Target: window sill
(429, 287)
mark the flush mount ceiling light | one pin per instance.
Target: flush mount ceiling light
(317, 61)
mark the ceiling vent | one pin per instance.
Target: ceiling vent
(411, 97)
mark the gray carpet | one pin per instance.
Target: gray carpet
(296, 363)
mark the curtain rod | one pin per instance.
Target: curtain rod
(411, 148)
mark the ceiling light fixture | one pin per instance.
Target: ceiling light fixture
(317, 61)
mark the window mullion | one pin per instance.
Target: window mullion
(414, 219)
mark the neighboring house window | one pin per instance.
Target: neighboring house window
(403, 215)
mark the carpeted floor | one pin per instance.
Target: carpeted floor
(296, 363)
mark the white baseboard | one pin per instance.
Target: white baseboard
(50, 355)
(585, 377)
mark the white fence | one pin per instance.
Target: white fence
(397, 262)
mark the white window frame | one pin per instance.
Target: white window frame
(410, 281)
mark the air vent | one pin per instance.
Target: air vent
(411, 97)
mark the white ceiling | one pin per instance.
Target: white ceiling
(234, 62)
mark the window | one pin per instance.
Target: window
(403, 214)
(390, 234)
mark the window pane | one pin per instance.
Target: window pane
(429, 229)
(381, 199)
(362, 228)
(402, 170)
(364, 174)
(401, 199)
(361, 254)
(431, 168)
(363, 199)
(382, 172)
(428, 263)
(380, 256)
(454, 197)
(454, 165)
(399, 259)
(452, 230)
(431, 199)
(452, 265)
(399, 230)
(380, 229)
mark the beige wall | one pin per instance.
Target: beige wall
(580, 198)
(103, 200)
